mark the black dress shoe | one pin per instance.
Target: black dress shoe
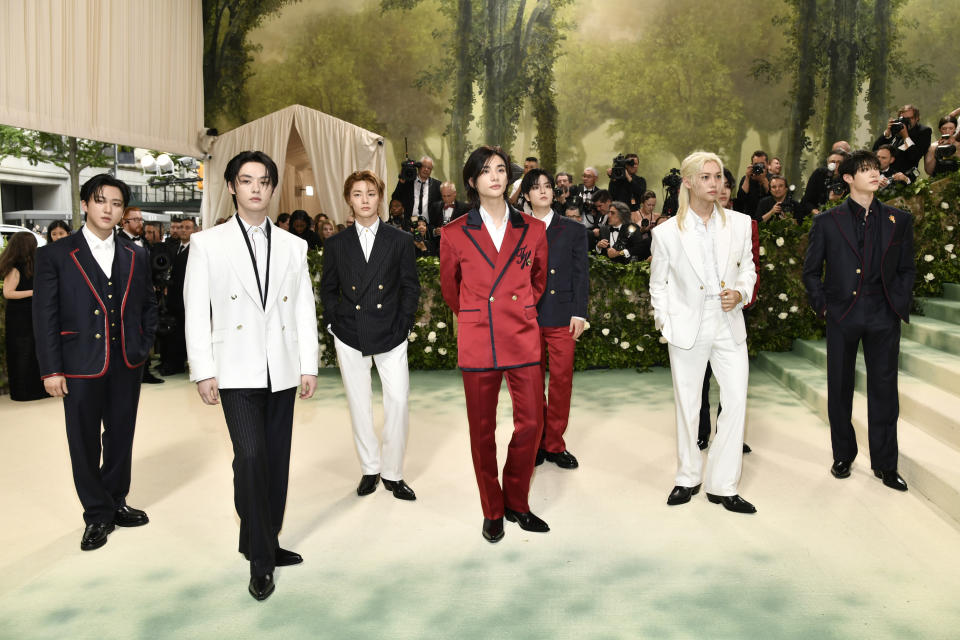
(746, 448)
(127, 516)
(732, 503)
(527, 521)
(286, 558)
(493, 529)
(95, 536)
(681, 495)
(541, 456)
(401, 490)
(261, 586)
(840, 469)
(702, 443)
(891, 479)
(149, 378)
(368, 484)
(564, 459)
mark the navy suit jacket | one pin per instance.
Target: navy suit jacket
(568, 274)
(833, 238)
(370, 305)
(70, 320)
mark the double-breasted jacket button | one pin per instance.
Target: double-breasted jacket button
(552, 291)
(354, 288)
(553, 270)
(380, 286)
(854, 293)
(239, 327)
(98, 336)
(284, 298)
(514, 296)
(233, 297)
(96, 312)
(491, 298)
(109, 295)
(109, 283)
(858, 270)
(701, 287)
(379, 306)
(358, 307)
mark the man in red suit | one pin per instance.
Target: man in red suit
(493, 271)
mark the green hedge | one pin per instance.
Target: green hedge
(621, 332)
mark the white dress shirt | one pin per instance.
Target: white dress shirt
(258, 240)
(367, 236)
(134, 239)
(421, 188)
(496, 233)
(707, 236)
(102, 250)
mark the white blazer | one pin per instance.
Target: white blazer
(230, 335)
(677, 279)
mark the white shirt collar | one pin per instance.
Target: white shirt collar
(372, 228)
(96, 242)
(488, 219)
(249, 227)
(547, 219)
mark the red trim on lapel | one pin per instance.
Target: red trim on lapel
(123, 306)
(106, 323)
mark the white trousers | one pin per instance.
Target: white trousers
(386, 458)
(731, 369)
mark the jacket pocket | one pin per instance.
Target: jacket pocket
(467, 316)
(530, 312)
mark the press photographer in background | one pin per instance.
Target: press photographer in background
(625, 185)
(774, 167)
(589, 187)
(908, 136)
(754, 185)
(562, 191)
(941, 157)
(595, 212)
(416, 189)
(449, 208)
(824, 185)
(620, 241)
(423, 240)
(889, 177)
(646, 219)
(779, 204)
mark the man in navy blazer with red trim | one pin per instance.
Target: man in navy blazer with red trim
(864, 293)
(95, 316)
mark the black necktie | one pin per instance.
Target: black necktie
(420, 209)
(180, 250)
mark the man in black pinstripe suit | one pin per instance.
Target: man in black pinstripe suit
(370, 292)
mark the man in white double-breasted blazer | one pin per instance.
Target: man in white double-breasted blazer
(701, 275)
(251, 332)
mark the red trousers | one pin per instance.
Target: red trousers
(558, 342)
(482, 389)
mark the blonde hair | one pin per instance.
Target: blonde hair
(690, 168)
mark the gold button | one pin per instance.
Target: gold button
(379, 306)
(514, 297)
(491, 298)
(553, 270)
(858, 270)
(284, 298)
(98, 336)
(854, 293)
(354, 288)
(358, 307)
(283, 328)
(239, 326)
(109, 295)
(701, 287)
(109, 283)
(380, 287)
(552, 291)
(113, 324)
(233, 297)
(738, 264)
(113, 310)
(96, 312)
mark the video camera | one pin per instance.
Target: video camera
(409, 170)
(619, 169)
(671, 184)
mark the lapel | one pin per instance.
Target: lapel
(239, 256)
(691, 246)
(278, 256)
(554, 229)
(843, 217)
(888, 225)
(378, 254)
(480, 238)
(512, 244)
(123, 257)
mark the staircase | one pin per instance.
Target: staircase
(929, 428)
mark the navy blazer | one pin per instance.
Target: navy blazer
(833, 238)
(70, 318)
(370, 305)
(568, 274)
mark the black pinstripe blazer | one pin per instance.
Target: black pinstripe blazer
(370, 305)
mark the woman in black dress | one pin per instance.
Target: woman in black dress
(16, 270)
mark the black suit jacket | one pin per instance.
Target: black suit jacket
(835, 289)
(634, 244)
(909, 159)
(370, 305)
(70, 318)
(436, 212)
(568, 274)
(178, 273)
(404, 193)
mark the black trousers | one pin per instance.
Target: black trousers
(173, 352)
(878, 328)
(111, 401)
(703, 433)
(260, 424)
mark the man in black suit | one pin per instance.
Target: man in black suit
(630, 188)
(370, 290)
(908, 136)
(94, 316)
(174, 353)
(449, 208)
(418, 194)
(621, 241)
(864, 293)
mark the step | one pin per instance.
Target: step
(951, 291)
(933, 333)
(929, 468)
(941, 309)
(922, 403)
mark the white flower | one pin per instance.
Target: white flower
(792, 261)
(953, 256)
(663, 340)
(421, 324)
(929, 277)
(606, 316)
(783, 297)
(616, 340)
(412, 336)
(639, 348)
(948, 248)
(605, 331)
(432, 336)
(770, 309)
(780, 241)
(793, 309)
(782, 315)
(763, 250)
(624, 345)
(442, 351)
(427, 349)
(928, 258)
(949, 227)
(441, 325)
(631, 316)
(586, 325)
(944, 205)
(769, 266)
(627, 292)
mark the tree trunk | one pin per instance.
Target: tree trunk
(803, 87)
(461, 105)
(877, 97)
(494, 60)
(74, 171)
(543, 97)
(842, 83)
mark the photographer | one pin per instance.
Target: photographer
(910, 138)
(516, 197)
(561, 192)
(415, 189)
(941, 157)
(774, 167)
(595, 212)
(646, 219)
(779, 204)
(589, 188)
(423, 239)
(620, 241)
(396, 218)
(754, 185)
(625, 185)
(823, 186)
(887, 155)
(449, 208)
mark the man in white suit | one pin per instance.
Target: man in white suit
(701, 275)
(251, 332)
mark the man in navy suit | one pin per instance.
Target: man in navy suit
(94, 315)
(562, 312)
(370, 291)
(864, 293)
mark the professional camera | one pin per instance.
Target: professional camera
(409, 170)
(671, 184)
(836, 186)
(898, 125)
(944, 151)
(621, 242)
(759, 168)
(789, 205)
(619, 169)
(161, 259)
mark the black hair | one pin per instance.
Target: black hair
(945, 119)
(532, 178)
(633, 156)
(859, 160)
(242, 158)
(300, 214)
(759, 152)
(601, 195)
(531, 159)
(94, 187)
(772, 178)
(474, 167)
(889, 147)
(283, 217)
(564, 173)
(57, 224)
(729, 178)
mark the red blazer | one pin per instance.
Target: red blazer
(494, 294)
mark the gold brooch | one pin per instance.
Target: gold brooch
(893, 220)
(529, 262)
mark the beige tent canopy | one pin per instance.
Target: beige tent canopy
(310, 149)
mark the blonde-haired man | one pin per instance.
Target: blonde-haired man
(701, 275)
